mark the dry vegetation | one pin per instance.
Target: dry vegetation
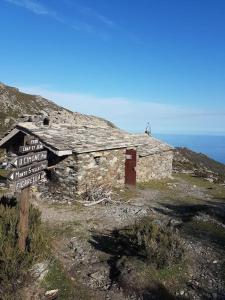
(14, 264)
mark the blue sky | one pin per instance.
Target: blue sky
(130, 61)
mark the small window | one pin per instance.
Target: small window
(46, 121)
(97, 160)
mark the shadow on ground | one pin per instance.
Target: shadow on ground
(119, 246)
(201, 221)
(186, 212)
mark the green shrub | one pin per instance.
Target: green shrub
(160, 245)
(14, 264)
(146, 256)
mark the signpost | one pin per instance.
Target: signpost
(29, 170)
(27, 181)
(29, 148)
(25, 160)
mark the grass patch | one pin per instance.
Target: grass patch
(57, 278)
(161, 184)
(214, 189)
(206, 230)
(193, 180)
(163, 283)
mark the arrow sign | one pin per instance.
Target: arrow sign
(25, 182)
(30, 148)
(29, 170)
(25, 160)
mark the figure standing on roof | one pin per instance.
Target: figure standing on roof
(148, 129)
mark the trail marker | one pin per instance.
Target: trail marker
(29, 170)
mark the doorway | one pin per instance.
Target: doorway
(130, 167)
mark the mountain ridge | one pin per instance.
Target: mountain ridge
(15, 104)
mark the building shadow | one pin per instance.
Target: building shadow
(186, 212)
(209, 229)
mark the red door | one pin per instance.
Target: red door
(130, 167)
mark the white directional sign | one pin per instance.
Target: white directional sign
(27, 181)
(32, 141)
(28, 159)
(30, 148)
(29, 170)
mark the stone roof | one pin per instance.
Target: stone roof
(66, 139)
(148, 145)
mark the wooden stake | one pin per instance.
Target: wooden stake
(24, 198)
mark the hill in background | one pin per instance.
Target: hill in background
(198, 164)
(15, 104)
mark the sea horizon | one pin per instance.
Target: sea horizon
(211, 145)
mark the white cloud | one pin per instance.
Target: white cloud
(82, 26)
(31, 5)
(134, 115)
(87, 11)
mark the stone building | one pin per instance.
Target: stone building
(82, 156)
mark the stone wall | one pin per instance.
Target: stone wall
(103, 167)
(61, 182)
(76, 173)
(156, 166)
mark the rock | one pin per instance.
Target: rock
(181, 293)
(40, 270)
(7, 121)
(174, 222)
(52, 294)
(97, 276)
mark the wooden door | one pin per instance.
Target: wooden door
(130, 167)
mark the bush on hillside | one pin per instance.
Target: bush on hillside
(160, 245)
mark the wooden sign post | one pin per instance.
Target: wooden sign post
(23, 224)
(29, 170)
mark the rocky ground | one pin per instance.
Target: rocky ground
(84, 248)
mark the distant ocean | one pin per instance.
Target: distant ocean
(212, 146)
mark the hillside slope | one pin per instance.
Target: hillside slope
(188, 161)
(15, 103)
